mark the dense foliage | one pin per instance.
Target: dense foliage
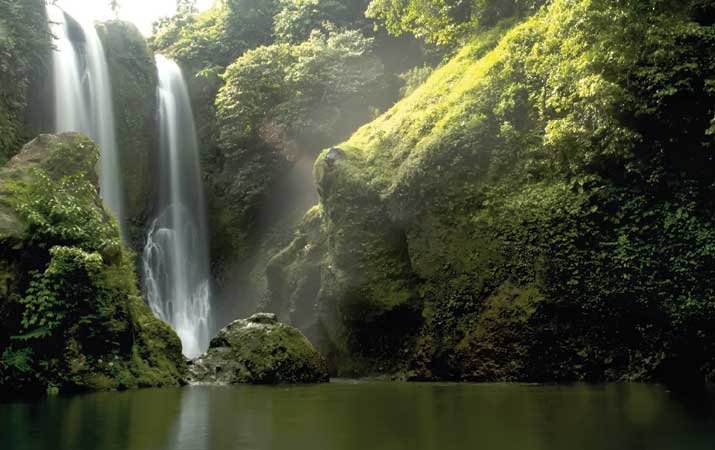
(71, 314)
(443, 21)
(217, 36)
(540, 210)
(24, 56)
(272, 83)
(312, 92)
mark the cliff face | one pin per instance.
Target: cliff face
(70, 312)
(26, 97)
(134, 83)
(25, 53)
(540, 209)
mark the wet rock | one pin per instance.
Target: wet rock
(333, 155)
(259, 350)
(134, 83)
(96, 333)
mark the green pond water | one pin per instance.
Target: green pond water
(357, 415)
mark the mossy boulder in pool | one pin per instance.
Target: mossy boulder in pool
(259, 350)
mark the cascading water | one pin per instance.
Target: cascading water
(83, 97)
(176, 251)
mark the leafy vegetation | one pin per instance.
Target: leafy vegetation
(72, 317)
(443, 22)
(63, 213)
(24, 57)
(538, 209)
(311, 92)
(272, 83)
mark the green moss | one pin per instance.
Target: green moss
(72, 315)
(134, 82)
(260, 350)
(515, 216)
(497, 346)
(25, 49)
(294, 274)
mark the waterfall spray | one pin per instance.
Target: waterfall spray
(83, 98)
(176, 252)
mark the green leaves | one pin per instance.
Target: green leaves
(444, 22)
(24, 52)
(297, 19)
(78, 297)
(65, 213)
(16, 359)
(68, 287)
(298, 92)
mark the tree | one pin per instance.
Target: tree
(114, 6)
(316, 92)
(443, 21)
(186, 6)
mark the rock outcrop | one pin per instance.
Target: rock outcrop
(534, 211)
(71, 316)
(259, 350)
(134, 83)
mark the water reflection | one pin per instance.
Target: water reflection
(360, 415)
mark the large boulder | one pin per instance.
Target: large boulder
(259, 350)
(71, 316)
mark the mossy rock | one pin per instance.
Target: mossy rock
(259, 350)
(516, 215)
(294, 275)
(134, 84)
(71, 314)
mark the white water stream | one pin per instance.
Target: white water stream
(176, 253)
(83, 97)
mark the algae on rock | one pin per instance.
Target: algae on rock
(134, 84)
(539, 209)
(259, 350)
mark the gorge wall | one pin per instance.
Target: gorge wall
(26, 55)
(134, 84)
(539, 209)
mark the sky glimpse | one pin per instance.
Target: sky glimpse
(140, 12)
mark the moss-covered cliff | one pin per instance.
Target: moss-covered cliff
(540, 209)
(71, 315)
(272, 83)
(24, 65)
(134, 82)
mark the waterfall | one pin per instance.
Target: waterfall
(176, 252)
(83, 97)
